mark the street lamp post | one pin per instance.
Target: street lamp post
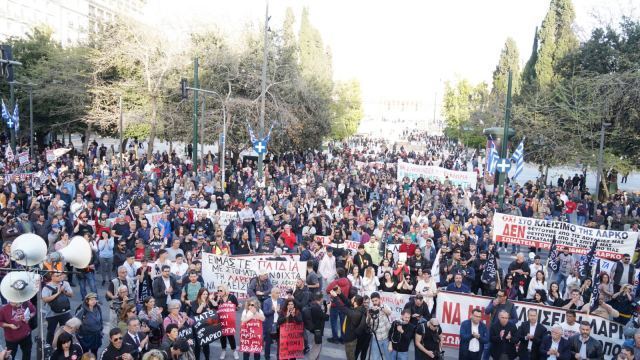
(29, 87)
(264, 91)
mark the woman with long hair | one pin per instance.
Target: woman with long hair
(105, 254)
(586, 289)
(287, 314)
(538, 283)
(605, 287)
(252, 312)
(510, 290)
(152, 316)
(201, 305)
(128, 312)
(356, 279)
(554, 298)
(370, 282)
(223, 296)
(66, 349)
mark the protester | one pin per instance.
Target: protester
(251, 311)
(90, 334)
(530, 334)
(271, 309)
(16, 319)
(288, 314)
(66, 349)
(427, 340)
(583, 346)
(474, 336)
(400, 335)
(553, 345)
(503, 337)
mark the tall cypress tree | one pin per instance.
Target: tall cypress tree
(529, 71)
(315, 60)
(509, 60)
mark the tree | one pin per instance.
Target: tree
(465, 111)
(509, 60)
(347, 109)
(529, 71)
(557, 40)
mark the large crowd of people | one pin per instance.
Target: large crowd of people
(153, 278)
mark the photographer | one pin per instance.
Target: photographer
(419, 310)
(379, 324)
(355, 324)
(400, 336)
(427, 340)
(314, 317)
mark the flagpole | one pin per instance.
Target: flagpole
(505, 139)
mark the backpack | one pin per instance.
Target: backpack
(61, 303)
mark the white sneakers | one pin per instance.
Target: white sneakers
(223, 355)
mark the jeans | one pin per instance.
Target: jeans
(515, 248)
(90, 279)
(582, 219)
(55, 321)
(375, 352)
(561, 279)
(25, 346)
(334, 315)
(106, 268)
(315, 349)
(394, 355)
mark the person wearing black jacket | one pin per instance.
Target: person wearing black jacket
(355, 324)
(417, 261)
(427, 340)
(418, 309)
(362, 259)
(400, 336)
(503, 337)
(314, 317)
(530, 335)
(117, 349)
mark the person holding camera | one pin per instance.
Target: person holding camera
(427, 340)
(314, 316)
(400, 336)
(355, 325)
(419, 310)
(379, 324)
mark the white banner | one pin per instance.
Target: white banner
(51, 157)
(579, 239)
(412, 171)
(454, 308)
(153, 218)
(395, 302)
(23, 158)
(237, 271)
(224, 217)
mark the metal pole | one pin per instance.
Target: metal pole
(599, 172)
(264, 90)
(121, 147)
(195, 115)
(224, 142)
(505, 139)
(202, 133)
(31, 127)
(12, 129)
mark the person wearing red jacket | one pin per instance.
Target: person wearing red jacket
(288, 237)
(407, 247)
(14, 319)
(343, 285)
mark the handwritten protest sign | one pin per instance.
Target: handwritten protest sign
(23, 158)
(291, 341)
(227, 315)
(236, 272)
(207, 327)
(395, 302)
(251, 337)
(413, 172)
(579, 239)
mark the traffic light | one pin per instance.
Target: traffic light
(184, 92)
(6, 68)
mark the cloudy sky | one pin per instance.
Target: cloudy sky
(401, 49)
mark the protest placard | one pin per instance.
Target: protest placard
(453, 308)
(579, 239)
(395, 302)
(23, 158)
(236, 272)
(153, 218)
(207, 327)
(51, 157)
(227, 315)
(251, 337)
(291, 340)
(413, 172)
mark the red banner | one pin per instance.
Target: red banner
(251, 337)
(291, 340)
(227, 315)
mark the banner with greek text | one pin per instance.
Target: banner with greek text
(237, 271)
(413, 172)
(454, 308)
(579, 239)
(251, 337)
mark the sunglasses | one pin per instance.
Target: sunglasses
(116, 339)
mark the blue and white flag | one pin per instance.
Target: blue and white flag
(595, 294)
(266, 139)
(5, 113)
(518, 158)
(492, 157)
(490, 273)
(16, 117)
(553, 262)
(584, 269)
(252, 135)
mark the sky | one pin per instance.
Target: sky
(401, 49)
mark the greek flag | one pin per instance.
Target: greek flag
(595, 295)
(266, 139)
(122, 202)
(553, 262)
(16, 118)
(518, 158)
(5, 113)
(252, 135)
(584, 269)
(492, 157)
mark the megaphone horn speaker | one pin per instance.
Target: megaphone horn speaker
(19, 286)
(28, 250)
(77, 253)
